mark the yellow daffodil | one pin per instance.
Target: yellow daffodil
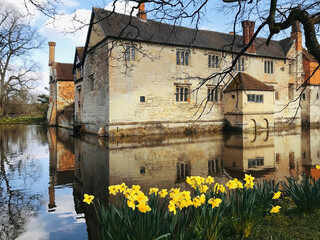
(202, 198)
(122, 187)
(141, 198)
(136, 188)
(249, 184)
(231, 184)
(131, 204)
(203, 188)
(275, 209)
(209, 180)
(163, 193)
(88, 198)
(317, 166)
(154, 190)
(276, 195)
(113, 189)
(143, 207)
(248, 178)
(197, 201)
(215, 202)
(172, 208)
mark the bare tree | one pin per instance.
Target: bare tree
(17, 41)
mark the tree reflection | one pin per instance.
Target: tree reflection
(18, 172)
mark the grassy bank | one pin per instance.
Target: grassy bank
(288, 225)
(21, 119)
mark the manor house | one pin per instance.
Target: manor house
(137, 76)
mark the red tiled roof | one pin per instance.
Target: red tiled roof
(64, 71)
(243, 81)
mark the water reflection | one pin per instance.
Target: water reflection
(44, 173)
(18, 173)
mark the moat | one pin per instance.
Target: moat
(45, 172)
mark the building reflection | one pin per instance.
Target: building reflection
(92, 164)
(62, 161)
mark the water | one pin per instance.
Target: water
(45, 172)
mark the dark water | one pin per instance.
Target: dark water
(45, 172)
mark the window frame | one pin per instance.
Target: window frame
(130, 53)
(214, 61)
(268, 67)
(255, 98)
(182, 93)
(183, 57)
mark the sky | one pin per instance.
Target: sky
(59, 30)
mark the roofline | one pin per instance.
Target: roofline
(189, 46)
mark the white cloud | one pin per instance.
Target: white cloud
(68, 26)
(70, 3)
(123, 6)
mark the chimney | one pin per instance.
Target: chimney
(296, 35)
(52, 46)
(248, 32)
(141, 12)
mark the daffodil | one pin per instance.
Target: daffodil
(209, 180)
(203, 188)
(113, 189)
(122, 187)
(153, 190)
(248, 178)
(249, 184)
(143, 207)
(275, 209)
(276, 195)
(88, 198)
(172, 208)
(131, 204)
(231, 184)
(136, 188)
(163, 193)
(317, 166)
(215, 202)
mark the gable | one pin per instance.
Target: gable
(96, 34)
(245, 82)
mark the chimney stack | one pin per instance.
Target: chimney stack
(296, 35)
(141, 12)
(248, 32)
(52, 46)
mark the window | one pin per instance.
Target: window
(291, 91)
(277, 158)
(182, 93)
(182, 57)
(255, 98)
(182, 171)
(253, 163)
(303, 96)
(214, 94)
(276, 96)
(213, 61)
(239, 65)
(268, 67)
(130, 53)
(142, 98)
(91, 82)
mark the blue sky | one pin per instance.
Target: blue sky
(57, 31)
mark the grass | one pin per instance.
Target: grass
(290, 225)
(21, 119)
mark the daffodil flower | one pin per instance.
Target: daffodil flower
(88, 198)
(215, 202)
(275, 209)
(276, 195)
